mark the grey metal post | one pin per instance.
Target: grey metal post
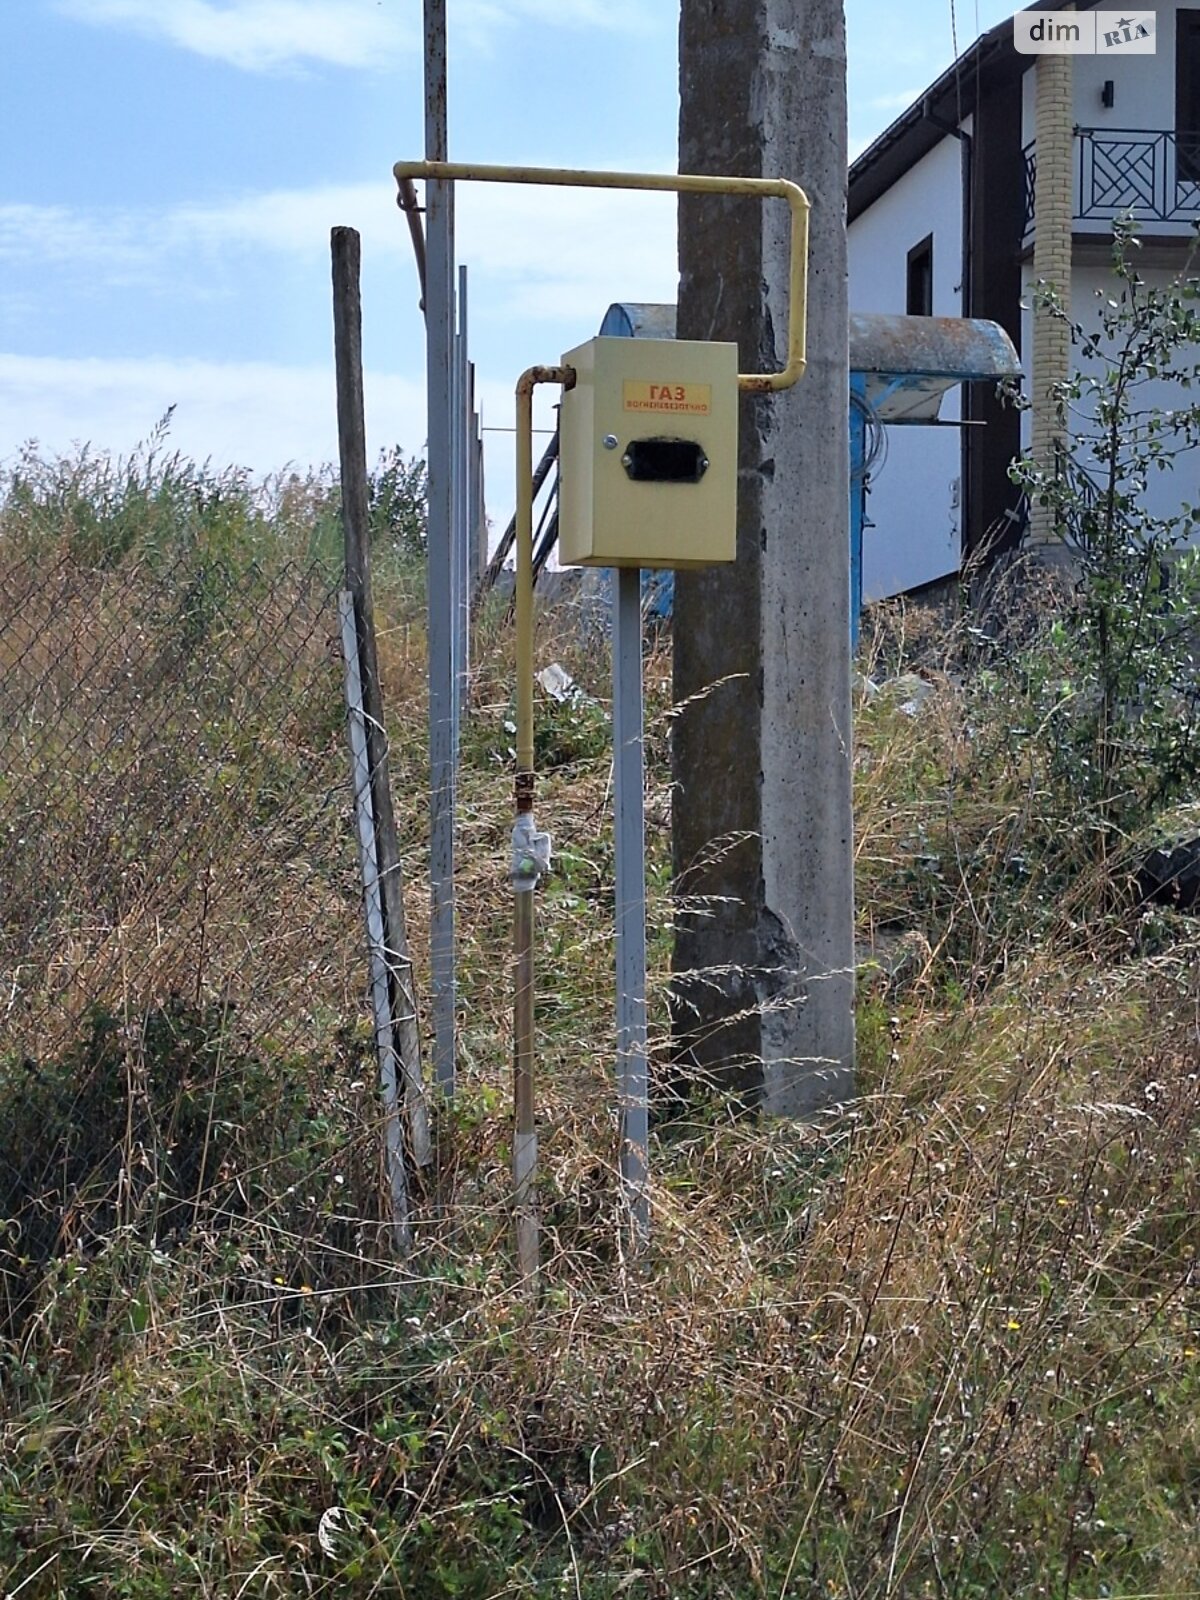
(476, 526)
(443, 700)
(458, 474)
(462, 502)
(628, 791)
(456, 641)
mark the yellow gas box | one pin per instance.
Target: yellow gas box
(648, 454)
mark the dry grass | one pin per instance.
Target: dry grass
(947, 1344)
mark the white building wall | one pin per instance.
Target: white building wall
(915, 496)
(1143, 86)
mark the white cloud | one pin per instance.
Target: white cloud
(558, 252)
(286, 35)
(265, 35)
(55, 234)
(295, 221)
(538, 250)
(42, 231)
(543, 250)
(120, 248)
(477, 21)
(248, 414)
(546, 250)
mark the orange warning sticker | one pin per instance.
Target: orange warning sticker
(680, 399)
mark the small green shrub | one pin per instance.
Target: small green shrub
(397, 500)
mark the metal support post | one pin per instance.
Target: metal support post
(443, 696)
(629, 791)
(462, 497)
(477, 521)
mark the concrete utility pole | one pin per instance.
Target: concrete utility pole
(764, 964)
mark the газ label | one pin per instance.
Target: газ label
(681, 399)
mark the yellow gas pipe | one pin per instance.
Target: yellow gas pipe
(666, 183)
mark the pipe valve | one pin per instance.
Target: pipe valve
(530, 854)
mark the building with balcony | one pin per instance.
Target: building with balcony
(1008, 170)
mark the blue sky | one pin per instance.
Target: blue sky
(170, 170)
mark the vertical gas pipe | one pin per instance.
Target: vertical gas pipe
(530, 849)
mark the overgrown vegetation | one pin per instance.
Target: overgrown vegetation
(947, 1344)
(155, 503)
(1112, 685)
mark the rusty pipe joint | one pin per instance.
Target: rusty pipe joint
(532, 376)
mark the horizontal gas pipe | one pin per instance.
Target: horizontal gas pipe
(668, 183)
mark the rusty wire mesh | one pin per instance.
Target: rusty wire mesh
(180, 911)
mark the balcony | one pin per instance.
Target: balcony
(1151, 174)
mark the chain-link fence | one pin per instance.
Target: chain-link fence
(181, 944)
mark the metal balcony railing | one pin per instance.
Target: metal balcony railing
(1150, 173)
